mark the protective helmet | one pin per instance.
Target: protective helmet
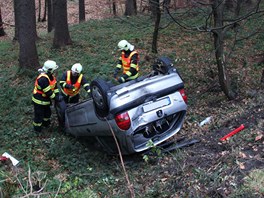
(124, 45)
(49, 66)
(76, 68)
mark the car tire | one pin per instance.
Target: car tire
(99, 89)
(162, 65)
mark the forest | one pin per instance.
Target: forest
(218, 48)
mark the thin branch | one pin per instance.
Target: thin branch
(130, 186)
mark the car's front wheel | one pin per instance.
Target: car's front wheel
(99, 95)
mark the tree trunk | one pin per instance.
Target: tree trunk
(262, 79)
(156, 29)
(2, 32)
(39, 11)
(28, 56)
(16, 13)
(45, 12)
(81, 11)
(238, 7)
(61, 34)
(218, 8)
(50, 15)
(114, 7)
(153, 5)
(131, 7)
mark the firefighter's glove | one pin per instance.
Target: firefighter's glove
(121, 80)
(69, 86)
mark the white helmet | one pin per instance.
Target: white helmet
(49, 66)
(76, 68)
(124, 45)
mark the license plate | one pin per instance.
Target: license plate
(157, 104)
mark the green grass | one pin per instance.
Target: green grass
(85, 171)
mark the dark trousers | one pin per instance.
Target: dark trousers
(71, 99)
(42, 114)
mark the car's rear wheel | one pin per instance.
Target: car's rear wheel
(99, 95)
(162, 65)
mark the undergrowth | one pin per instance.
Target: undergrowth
(72, 168)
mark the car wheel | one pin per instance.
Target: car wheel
(162, 65)
(99, 95)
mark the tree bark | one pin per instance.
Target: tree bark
(131, 7)
(218, 8)
(45, 12)
(39, 11)
(114, 7)
(156, 28)
(16, 13)
(61, 33)
(81, 11)
(28, 56)
(50, 15)
(2, 32)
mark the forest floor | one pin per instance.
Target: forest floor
(242, 153)
(93, 10)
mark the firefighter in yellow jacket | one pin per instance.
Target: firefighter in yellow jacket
(71, 83)
(128, 62)
(45, 89)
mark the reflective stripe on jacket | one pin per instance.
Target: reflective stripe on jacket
(77, 85)
(126, 62)
(39, 94)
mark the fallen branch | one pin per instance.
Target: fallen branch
(130, 186)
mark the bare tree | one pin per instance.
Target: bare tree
(112, 6)
(44, 18)
(50, 15)
(156, 14)
(28, 56)
(219, 33)
(39, 11)
(61, 34)
(16, 13)
(223, 23)
(131, 7)
(2, 32)
(153, 5)
(81, 10)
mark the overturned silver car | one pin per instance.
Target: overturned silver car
(129, 115)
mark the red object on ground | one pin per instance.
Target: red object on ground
(233, 132)
(2, 158)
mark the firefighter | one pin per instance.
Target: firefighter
(128, 62)
(45, 89)
(71, 82)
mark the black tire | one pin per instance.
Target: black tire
(99, 90)
(162, 65)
